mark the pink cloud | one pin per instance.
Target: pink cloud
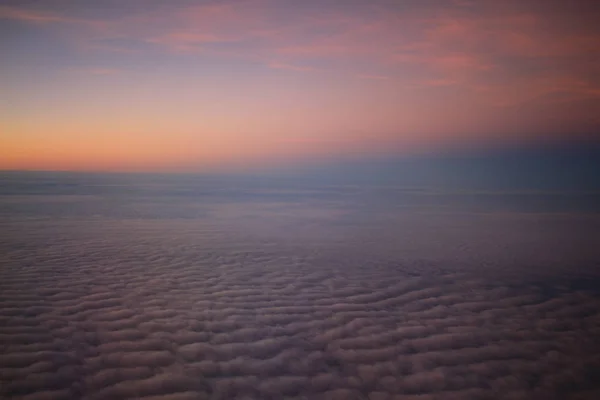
(299, 68)
(541, 88)
(186, 41)
(44, 17)
(324, 49)
(374, 77)
(439, 82)
(459, 43)
(25, 15)
(103, 71)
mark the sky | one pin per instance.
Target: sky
(225, 85)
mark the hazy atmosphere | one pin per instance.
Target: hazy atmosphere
(263, 199)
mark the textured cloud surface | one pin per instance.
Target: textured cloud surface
(114, 293)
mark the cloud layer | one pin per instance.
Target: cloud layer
(119, 306)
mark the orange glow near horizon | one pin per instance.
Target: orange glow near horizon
(230, 85)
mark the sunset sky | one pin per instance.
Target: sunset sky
(201, 85)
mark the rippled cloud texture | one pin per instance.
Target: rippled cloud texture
(199, 287)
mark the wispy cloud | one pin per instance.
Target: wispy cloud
(44, 17)
(102, 71)
(544, 88)
(439, 82)
(454, 43)
(22, 14)
(291, 67)
(188, 41)
(374, 77)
